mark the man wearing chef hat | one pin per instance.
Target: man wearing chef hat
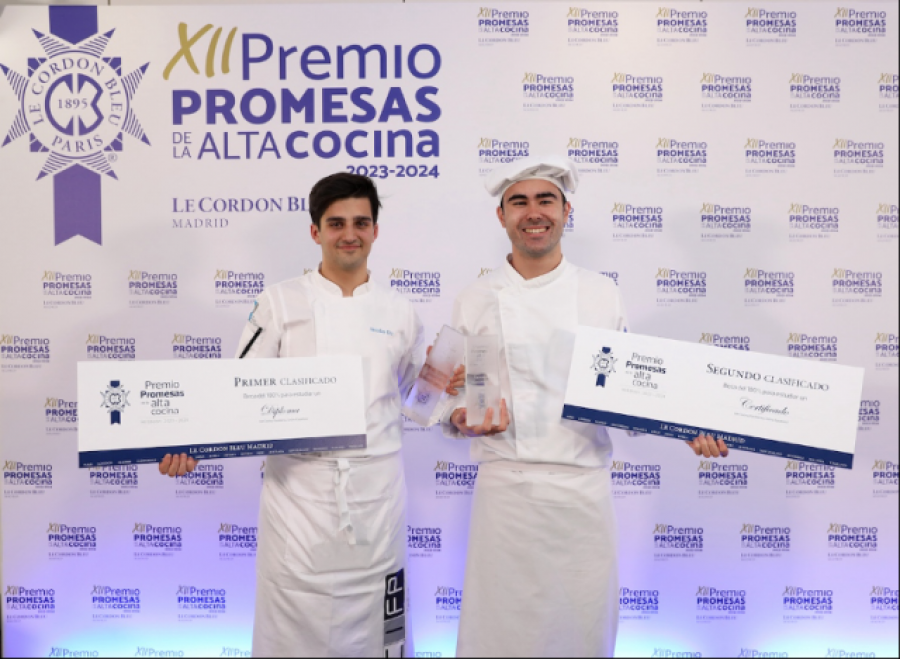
(541, 570)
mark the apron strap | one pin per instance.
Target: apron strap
(341, 477)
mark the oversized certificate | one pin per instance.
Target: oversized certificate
(780, 406)
(139, 411)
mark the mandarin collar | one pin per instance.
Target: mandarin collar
(537, 282)
(331, 288)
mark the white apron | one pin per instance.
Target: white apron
(332, 551)
(541, 569)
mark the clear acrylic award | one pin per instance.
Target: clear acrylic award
(449, 351)
(482, 378)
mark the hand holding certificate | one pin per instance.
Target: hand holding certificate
(778, 406)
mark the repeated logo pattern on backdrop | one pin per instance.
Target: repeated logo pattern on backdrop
(738, 184)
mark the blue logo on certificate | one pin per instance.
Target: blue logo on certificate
(604, 365)
(115, 398)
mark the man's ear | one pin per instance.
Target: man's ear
(501, 217)
(314, 233)
(375, 232)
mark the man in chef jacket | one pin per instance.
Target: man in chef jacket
(541, 569)
(332, 526)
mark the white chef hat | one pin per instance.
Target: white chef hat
(558, 170)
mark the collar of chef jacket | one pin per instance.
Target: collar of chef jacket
(536, 282)
(331, 288)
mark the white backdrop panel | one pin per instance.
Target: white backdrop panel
(144, 228)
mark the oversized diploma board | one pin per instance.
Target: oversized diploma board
(780, 406)
(139, 411)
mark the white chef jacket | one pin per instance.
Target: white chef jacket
(308, 316)
(332, 526)
(541, 568)
(535, 320)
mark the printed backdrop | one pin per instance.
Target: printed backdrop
(739, 183)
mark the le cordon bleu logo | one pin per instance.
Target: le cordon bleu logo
(75, 105)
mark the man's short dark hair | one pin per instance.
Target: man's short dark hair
(342, 185)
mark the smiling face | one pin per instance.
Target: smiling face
(346, 234)
(534, 216)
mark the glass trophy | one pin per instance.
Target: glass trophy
(448, 352)
(482, 379)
